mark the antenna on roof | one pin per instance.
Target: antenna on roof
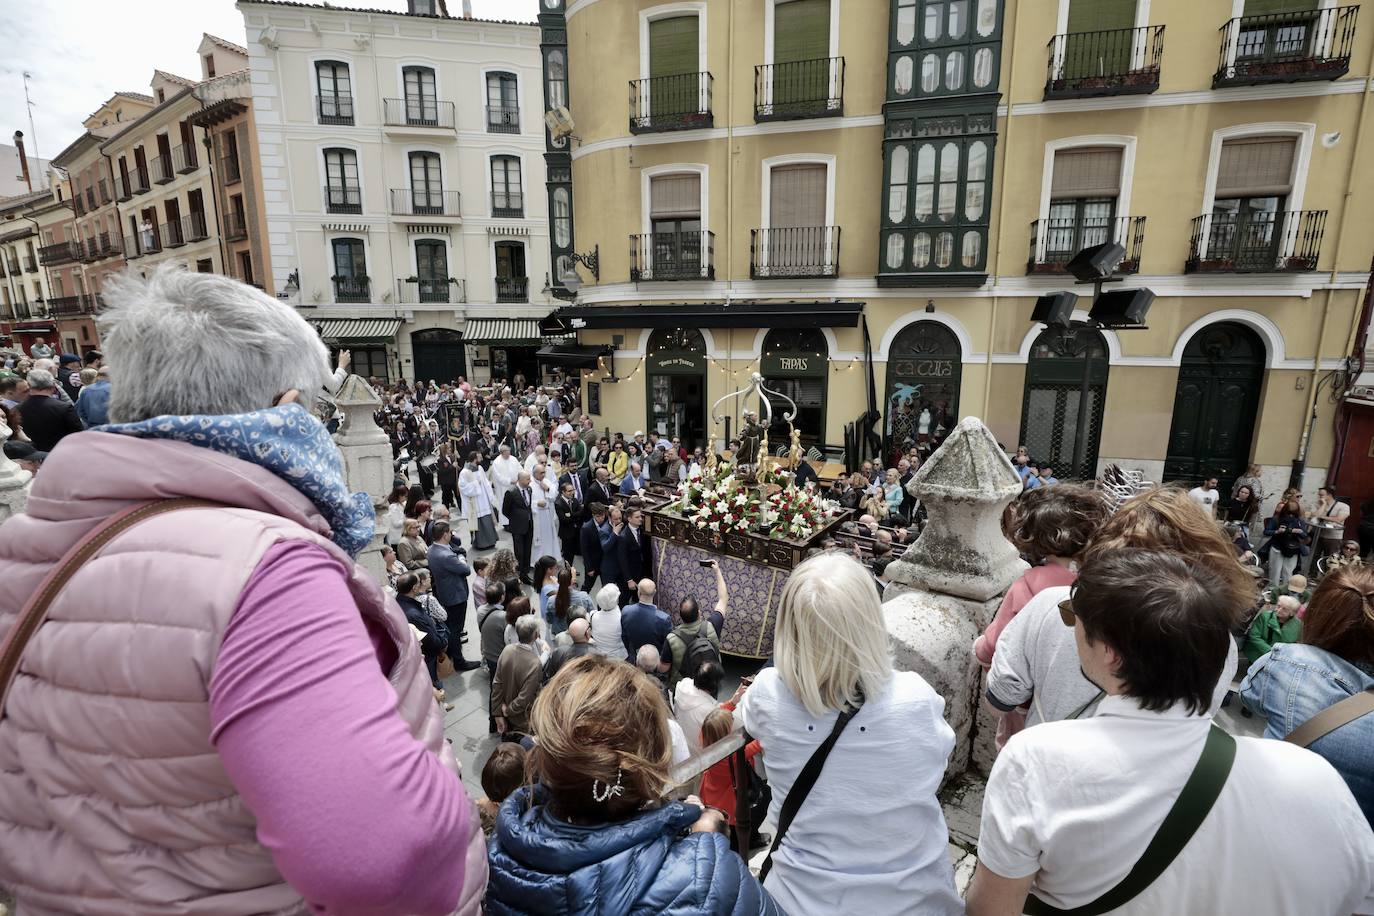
(33, 134)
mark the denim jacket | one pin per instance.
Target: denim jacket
(1295, 682)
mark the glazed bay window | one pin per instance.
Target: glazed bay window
(936, 212)
(350, 271)
(342, 192)
(503, 104)
(944, 47)
(334, 91)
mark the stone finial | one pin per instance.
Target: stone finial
(14, 480)
(366, 453)
(964, 487)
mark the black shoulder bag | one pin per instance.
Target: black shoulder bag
(806, 780)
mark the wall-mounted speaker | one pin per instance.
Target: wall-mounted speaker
(1055, 309)
(1122, 307)
(1097, 262)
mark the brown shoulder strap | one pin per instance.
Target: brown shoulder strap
(1332, 718)
(36, 610)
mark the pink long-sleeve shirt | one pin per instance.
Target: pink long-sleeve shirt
(1035, 579)
(359, 817)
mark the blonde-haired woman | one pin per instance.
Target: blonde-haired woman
(592, 833)
(862, 841)
(411, 550)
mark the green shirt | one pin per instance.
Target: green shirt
(678, 640)
(1266, 632)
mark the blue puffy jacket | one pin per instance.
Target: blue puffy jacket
(542, 865)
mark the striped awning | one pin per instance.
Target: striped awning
(510, 331)
(357, 330)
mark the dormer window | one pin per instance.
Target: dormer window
(422, 7)
(161, 96)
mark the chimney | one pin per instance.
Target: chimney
(23, 159)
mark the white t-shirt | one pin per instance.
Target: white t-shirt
(870, 839)
(1076, 803)
(1207, 499)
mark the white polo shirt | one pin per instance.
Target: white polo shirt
(1076, 802)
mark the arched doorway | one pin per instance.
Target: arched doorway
(795, 362)
(1215, 403)
(1063, 364)
(438, 355)
(924, 367)
(677, 384)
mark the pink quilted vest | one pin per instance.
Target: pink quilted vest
(112, 799)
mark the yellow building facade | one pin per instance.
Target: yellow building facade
(855, 194)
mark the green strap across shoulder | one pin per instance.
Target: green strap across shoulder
(1199, 794)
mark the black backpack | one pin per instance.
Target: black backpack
(697, 649)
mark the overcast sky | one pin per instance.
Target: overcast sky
(80, 52)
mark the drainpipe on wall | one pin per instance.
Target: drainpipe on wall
(1009, 72)
(215, 193)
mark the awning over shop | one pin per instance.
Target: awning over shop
(705, 315)
(357, 330)
(513, 332)
(572, 356)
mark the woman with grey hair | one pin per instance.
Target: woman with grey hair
(215, 768)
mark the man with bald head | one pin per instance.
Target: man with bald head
(580, 632)
(644, 623)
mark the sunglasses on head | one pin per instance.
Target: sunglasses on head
(1066, 613)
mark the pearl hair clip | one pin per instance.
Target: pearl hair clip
(599, 795)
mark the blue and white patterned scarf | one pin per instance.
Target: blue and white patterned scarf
(289, 442)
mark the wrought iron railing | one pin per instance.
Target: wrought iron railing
(184, 158)
(138, 180)
(108, 245)
(193, 228)
(229, 168)
(30, 263)
(1265, 241)
(503, 119)
(673, 256)
(512, 289)
(59, 253)
(171, 234)
(335, 109)
(507, 204)
(418, 112)
(799, 89)
(680, 102)
(431, 289)
(1286, 47)
(235, 226)
(69, 305)
(795, 251)
(343, 199)
(1055, 241)
(425, 202)
(352, 289)
(161, 169)
(125, 187)
(1109, 62)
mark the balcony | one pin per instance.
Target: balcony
(102, 246)
(161, 169)
(59, 253)
(171, 234)
(138, 181)
(229, 169)
(103, 186)
(1054, 242)
(343, 199)
(503, 119)
(235, 226)
(512, 289)
(794, 252)
(507, 205)
(1286, 47)
(443, 290)
(673, 256)
(1275, 241)
(125, 187)
(351, 289)
(664, 103)
(422, 202)
(334, 109)
(799, 89)
(184, 159)
(418, 113)
(1111, 62)
(193, 228)
(69, 305)
(30, 264)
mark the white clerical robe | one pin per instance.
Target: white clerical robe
(545, 541)
(479, 498)
(504, 473)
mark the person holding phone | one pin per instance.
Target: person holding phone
(1289, 537)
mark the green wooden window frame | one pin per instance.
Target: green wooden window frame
(936, 203)
(944, 48)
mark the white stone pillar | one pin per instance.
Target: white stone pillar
(14, 480)
(367, 459)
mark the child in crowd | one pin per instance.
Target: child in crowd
(719, 783)
(1050, 526)
(479, 577)
(503, 773)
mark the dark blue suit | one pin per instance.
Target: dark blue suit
(610, 557)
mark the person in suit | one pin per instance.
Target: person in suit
(592, 552)
(568, 510)
(806, 473)
(601, 489)
(636, 552)
(517, 507)
(450, 572)
(578, 481)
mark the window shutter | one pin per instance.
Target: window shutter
(675, 196)
(1256, 167)
(796, 196)
(1090, 172)
(1100, 15)
(801, 30)
(673, 46)
(1260, 7)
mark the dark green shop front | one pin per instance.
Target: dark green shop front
(676, 378)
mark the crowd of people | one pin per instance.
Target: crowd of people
(271, 728)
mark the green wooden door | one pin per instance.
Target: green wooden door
(674, 63)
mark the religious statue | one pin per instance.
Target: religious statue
(749, 439)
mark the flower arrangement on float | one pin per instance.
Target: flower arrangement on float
(798, 513)
(718, 502)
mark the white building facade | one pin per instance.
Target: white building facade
(403, 183)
